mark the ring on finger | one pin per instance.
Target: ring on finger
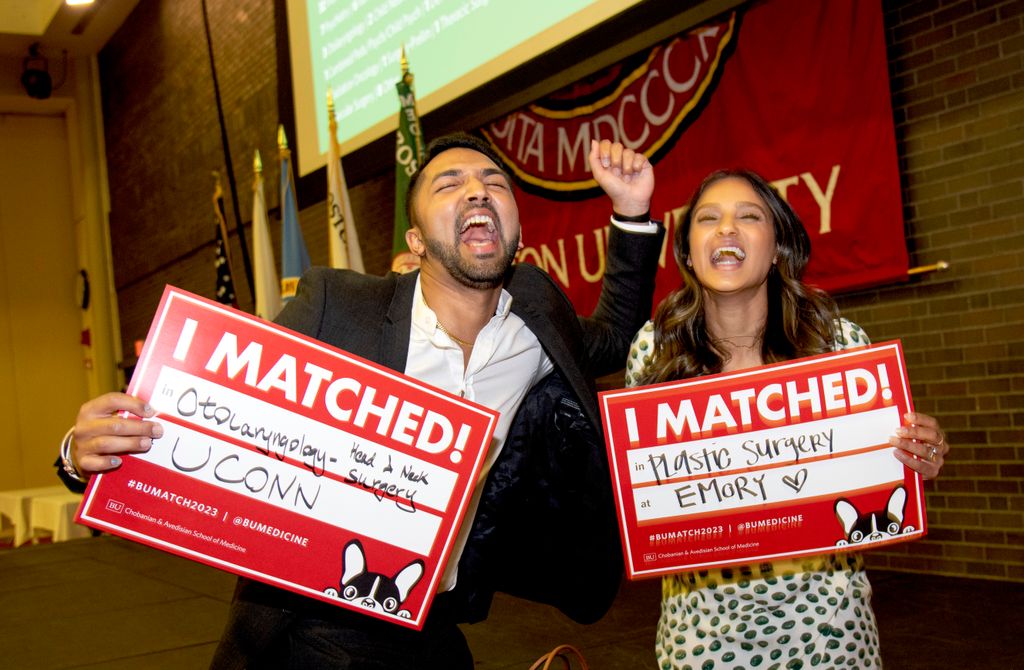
(931, 453)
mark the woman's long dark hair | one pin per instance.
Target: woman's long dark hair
(801, 319)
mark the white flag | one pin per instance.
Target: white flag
(341, 228)
(268, 288)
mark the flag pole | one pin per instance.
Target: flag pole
(227, 155)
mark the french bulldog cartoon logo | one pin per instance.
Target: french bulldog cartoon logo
(373, 590)
(873, 526)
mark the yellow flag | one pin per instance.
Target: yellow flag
(341, 227)
(268, 288)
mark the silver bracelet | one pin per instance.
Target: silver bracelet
(66, 460)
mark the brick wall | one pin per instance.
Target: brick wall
(163, 141)
(957, 81)
(957, 71)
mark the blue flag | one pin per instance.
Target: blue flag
(294, 257)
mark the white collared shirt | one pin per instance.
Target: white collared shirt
(505, 362)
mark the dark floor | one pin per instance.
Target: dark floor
(108, 603)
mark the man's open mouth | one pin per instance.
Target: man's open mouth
(478, 230)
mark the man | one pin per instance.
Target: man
(541, 523)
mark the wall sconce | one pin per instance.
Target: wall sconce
(35, 75)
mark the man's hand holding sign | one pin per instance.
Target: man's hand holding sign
(284, 460)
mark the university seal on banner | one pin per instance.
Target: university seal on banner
(645, 102)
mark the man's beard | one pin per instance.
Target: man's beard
(479, 274)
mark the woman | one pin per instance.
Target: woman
(742, 251)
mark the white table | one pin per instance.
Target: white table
(16, 506)
(56, 514)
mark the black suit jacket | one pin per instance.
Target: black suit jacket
(546, 527)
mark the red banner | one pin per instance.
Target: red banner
(796, 91)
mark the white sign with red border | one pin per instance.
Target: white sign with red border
(294, 463)
(775, 462)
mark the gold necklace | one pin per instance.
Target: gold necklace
(455, 339)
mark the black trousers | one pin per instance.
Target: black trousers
(259, 636)
(318, 644)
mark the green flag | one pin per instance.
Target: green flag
(408, 153)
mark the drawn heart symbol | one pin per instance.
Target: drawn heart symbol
(796, 483)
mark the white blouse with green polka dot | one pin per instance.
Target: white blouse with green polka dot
(813, 612)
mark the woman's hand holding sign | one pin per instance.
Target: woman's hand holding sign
(921, 444)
